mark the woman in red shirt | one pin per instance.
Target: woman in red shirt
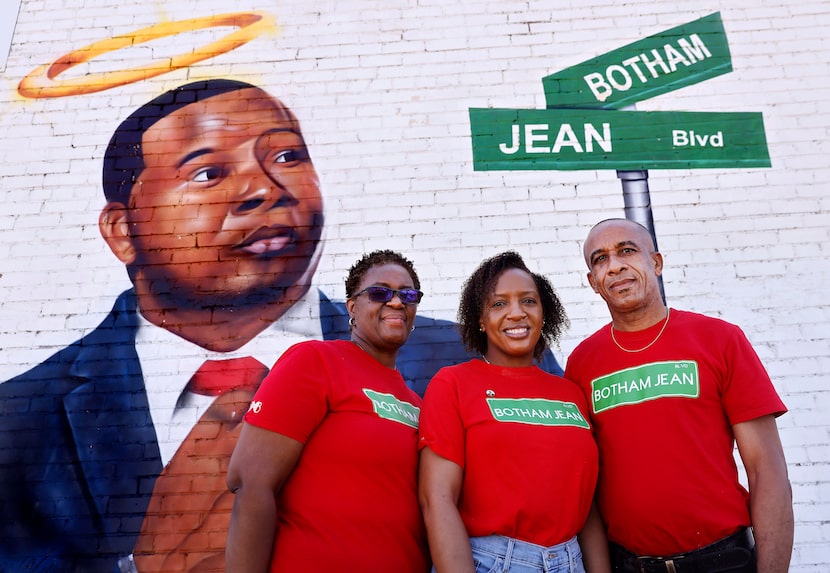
(326, 464)
(508, 460)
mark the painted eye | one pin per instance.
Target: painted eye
(285, 157)
(207, 174)
(291, 156)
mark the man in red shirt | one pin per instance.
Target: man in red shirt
(670, 393)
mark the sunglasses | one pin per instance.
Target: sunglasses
(385, 294)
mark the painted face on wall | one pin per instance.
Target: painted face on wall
(227, 210)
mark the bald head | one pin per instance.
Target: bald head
(635, 231)
(624, 268)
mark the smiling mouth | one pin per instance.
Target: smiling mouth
(621, 284)
(517, 331)
(271, 241)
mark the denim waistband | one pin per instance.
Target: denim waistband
(515, 550)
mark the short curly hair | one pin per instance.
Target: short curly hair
(373, 259)
(481, 285)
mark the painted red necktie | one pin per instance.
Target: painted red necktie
(187, 520)
(216, 377)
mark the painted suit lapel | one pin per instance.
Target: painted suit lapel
(110, 421)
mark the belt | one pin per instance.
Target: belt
(733, 553)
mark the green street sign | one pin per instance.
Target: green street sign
(571, 139)
(643, 69)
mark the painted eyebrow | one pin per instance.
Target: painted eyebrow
(194, 155)
(280, 130)
(301, 151)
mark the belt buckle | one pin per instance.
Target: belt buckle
(667, 563)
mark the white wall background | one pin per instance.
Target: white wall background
(382, 89)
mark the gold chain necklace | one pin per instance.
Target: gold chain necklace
(650, 344)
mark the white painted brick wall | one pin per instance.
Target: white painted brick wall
(382, 90)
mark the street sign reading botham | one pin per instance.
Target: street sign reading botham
(664, 62)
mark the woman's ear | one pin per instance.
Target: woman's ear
(115, 229)
(350, 302)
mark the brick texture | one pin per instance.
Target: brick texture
(382, 91)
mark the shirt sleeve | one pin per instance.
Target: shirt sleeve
(440, 427)
(748, 392)
(294, 397)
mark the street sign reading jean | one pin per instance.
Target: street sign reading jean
(578, 139)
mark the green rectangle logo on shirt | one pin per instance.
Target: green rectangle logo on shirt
(537, 411)
(648, 382)
(388, 407)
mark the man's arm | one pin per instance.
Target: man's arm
(258, 468)
(771, 502)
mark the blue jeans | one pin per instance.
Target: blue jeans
(496, 553)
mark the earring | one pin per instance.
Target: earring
(351, 321)
(412, 329)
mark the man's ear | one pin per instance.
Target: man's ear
(592, 282)
(658, 263)
(115, 229)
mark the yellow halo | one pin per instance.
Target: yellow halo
(42, 81)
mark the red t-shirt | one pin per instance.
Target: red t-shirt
(663, 421)
(351, 501)
(523, 440)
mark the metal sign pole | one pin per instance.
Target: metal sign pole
(637, 203)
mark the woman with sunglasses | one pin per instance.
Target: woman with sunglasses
(326, 464)
(508, 460)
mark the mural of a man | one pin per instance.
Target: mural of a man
(214, 207)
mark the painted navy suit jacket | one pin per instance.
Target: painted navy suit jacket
(78, 451)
